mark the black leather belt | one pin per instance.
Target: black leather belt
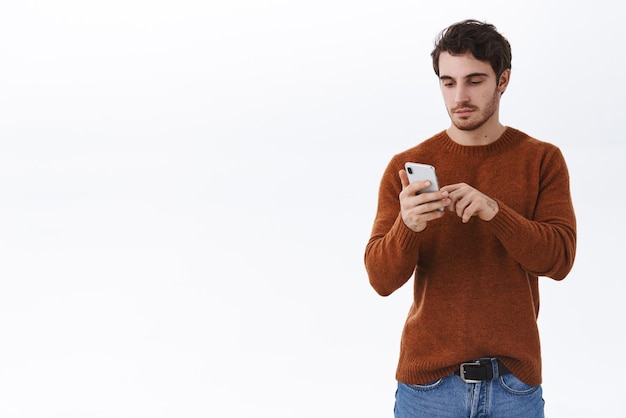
(479, 370)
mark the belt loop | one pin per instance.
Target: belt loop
(494, 366)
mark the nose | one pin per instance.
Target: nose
(461, 95)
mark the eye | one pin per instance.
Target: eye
(474, 81)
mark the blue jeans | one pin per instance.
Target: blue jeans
(502, 397)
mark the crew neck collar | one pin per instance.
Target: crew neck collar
(507, 137)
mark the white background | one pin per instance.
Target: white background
(187, 188)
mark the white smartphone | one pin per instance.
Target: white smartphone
(420, 172)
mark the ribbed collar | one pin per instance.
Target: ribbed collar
(508, 137)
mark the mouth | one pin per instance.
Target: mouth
(463, 112)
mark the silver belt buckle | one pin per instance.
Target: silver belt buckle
(462, 371)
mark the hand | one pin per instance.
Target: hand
(468, 202)
(418, 210)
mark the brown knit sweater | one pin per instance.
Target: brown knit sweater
(475, 285)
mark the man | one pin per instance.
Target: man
(470, 344)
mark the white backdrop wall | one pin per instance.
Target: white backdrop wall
(187, 188)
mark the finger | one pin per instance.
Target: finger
(403, 178)
(460, 207)
(422, 215)
(415, 186)
(434, 200)
(469, 211)
(450, 188)
(455, 195)
(451, 206)
(460, 210)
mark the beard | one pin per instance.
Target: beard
(477, 118)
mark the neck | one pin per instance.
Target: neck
(483, 135)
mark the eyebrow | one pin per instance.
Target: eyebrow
(447, 77)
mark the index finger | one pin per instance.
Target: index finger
(451, 187)
(404, 178)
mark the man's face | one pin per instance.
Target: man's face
(470, 90)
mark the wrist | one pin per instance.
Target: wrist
(494, 209)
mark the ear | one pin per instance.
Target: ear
(504, 80)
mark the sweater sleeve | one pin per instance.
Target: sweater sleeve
(392, 251)
(546, 244)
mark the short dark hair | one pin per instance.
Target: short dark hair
(480, 39)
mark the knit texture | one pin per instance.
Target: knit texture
(476, 285)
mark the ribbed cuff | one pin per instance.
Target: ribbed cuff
(407, 238)
(504, 223)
